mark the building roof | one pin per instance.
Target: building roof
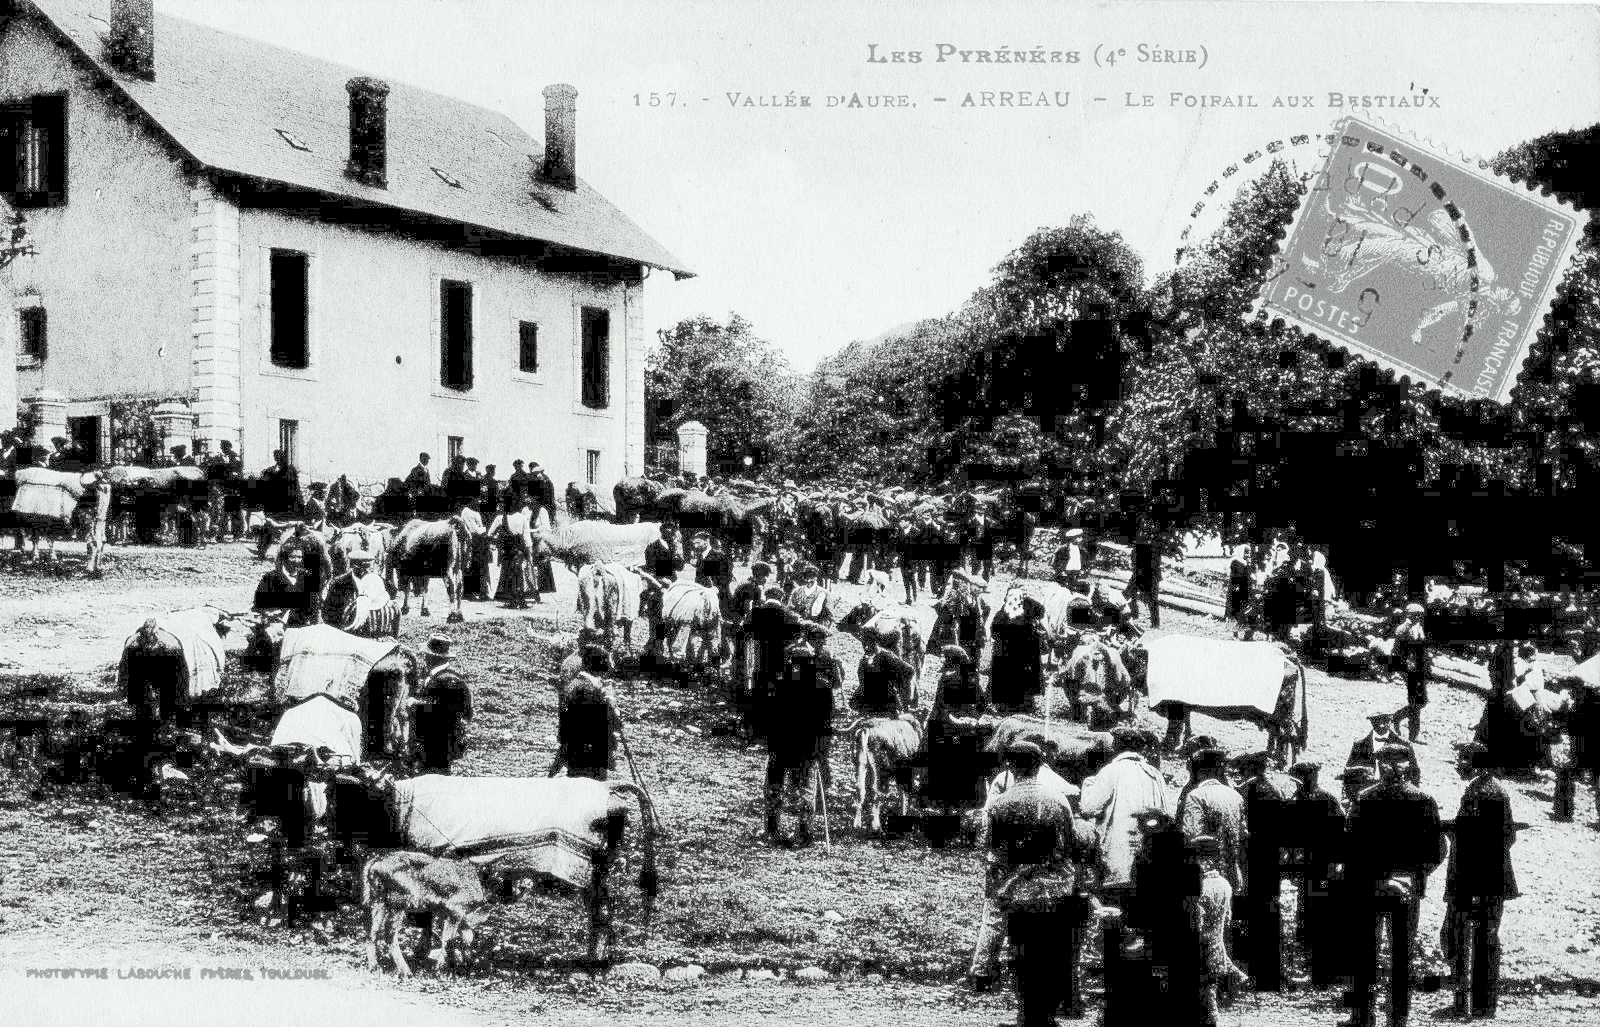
(242, 106)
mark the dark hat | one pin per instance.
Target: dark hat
(816, 630)
(1023, 754)
(61, 439)
(773, 593)
(1394, 753)
(1207, 761)
(472, 459)
(1253, 760)
(533, 465)
(1125, 737)
(1207, 846)
(760, 567)
(1303, 769)
(516, 463)
(440, 645)
(1355, 772)
(955, 654)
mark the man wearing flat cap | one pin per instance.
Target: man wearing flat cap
(1410, 660)
(1036, 852)
(443, 709)
(1364, 751)
(1395, 843)
(1114, 797)
(1212, 808)
(751, 590)
(1478, 882)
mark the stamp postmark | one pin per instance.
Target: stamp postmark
(1440, 271)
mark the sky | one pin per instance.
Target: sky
(832, 222)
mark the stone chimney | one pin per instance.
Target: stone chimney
(560, 136)
(369, 132)
(131, 46)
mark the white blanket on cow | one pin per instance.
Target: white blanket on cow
(1215, 672)
(42, 492)
(194, 632)
(322, 659)
(317, 722)
(628, 591)
(548, 826)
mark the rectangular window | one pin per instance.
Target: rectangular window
(453, 445)
(33, 152)
(527, 347)
(289, 441)
(455, 335)
(290, 307)
(596, 370)
(34, 343)
(592, 466)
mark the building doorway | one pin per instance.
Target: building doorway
(83, 436)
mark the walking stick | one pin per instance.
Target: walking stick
(638, 779)
(827, 837)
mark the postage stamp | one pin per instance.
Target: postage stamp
(1439, 270)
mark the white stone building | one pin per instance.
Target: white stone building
(303, 257)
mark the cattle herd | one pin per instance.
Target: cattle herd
(342, 775)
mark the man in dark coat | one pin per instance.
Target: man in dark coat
(1166, 883)
(957, 764)
(285, 591)
(1016, 668)
(1256, 919)
(489, 490)
(587, 728)
(1395, 843)
(1410, 659)
(1364, 750)
(443, 709)
(1477, 884)
(541, 490)
(1582, 722)
(1145, 581)
(799, 723)
(420, 479)
(751, 590)
(885, 679)
(766, 636)
(714, 569)
(518, 492)
(1316, 826)
(1037, 849)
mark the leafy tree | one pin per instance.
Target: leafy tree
(722, 375)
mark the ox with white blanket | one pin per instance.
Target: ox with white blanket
(322, 660)
(1232, 680)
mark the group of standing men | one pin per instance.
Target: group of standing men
(1184, 880)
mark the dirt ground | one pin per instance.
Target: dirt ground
(90, 880)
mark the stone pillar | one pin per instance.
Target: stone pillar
(214, 271)
(49, 410)
(175, 422)
(692, 447)
(8, 365)
(633, 379)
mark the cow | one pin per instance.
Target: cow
(398, 883)
(526, 829)
(870, 617)
(46, 503)
(579, 543)
(587, 502)
(432, 549)
(635, 498)
(361, 536)
(609, 597)
(1097, 683)
(691, 614)
(884, 749)
(1261, 683)
(1072, 751)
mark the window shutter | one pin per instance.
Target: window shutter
(50, 114)
(466, 336)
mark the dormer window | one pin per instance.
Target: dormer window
(33, 152)
(293, 140)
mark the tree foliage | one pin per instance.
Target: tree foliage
(738, 385)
